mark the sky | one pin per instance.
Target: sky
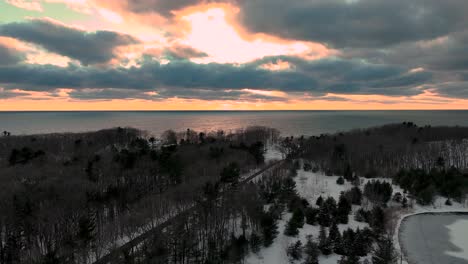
(233, 54)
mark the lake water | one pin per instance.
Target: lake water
(288, 122)
(435, 238)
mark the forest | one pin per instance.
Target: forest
(73, 198)
(123, 196)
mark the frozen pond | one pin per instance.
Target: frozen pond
(435, 238)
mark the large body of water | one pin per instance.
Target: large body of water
(155, 122)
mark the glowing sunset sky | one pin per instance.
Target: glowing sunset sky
(233, 54)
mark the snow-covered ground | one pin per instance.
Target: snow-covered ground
(272, 153)
(310, 186)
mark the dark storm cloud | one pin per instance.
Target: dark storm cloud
(454, 89)
(205, 94)
(355, 23)
(152, 74)
(9, 56)
(87, 47)
(340, 23)
(444, 54)
(185, 79)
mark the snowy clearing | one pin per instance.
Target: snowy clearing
(309, 185)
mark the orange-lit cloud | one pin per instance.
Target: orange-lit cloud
(42, 101)
(211, 28)
(183, 55)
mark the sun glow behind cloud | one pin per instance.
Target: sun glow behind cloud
(210, 31)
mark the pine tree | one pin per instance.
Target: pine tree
(311, 251)
(344, 208)
(255, 242)
(377, 219)
(348, 241)
(324, 243)
(340, 181)
(291, 228)
(323, 217)
(311, 215)
(296, 221)
(288, 189)
(294, 250)
(334, 236)
(361, 246)
(384, 252)
(269, 228)
(319, 201)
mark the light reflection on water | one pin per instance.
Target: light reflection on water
(288, 122)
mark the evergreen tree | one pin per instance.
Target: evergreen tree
(323, 217)
(362, 215)
(311, 215)
(288, 189)
(311, 251)
(340, 181)
(361, 244)
(269, 228)
(291, 228)
(384, 252)
(255, 242)
(231, 173)
(334, 236)
(377, 219)
(319, 201)
(324, 244)
(296, 221)
(354, 195)
(294, 250)
(348, 241)
(344, 208)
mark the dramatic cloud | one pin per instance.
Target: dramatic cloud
(345, 51)
(453, 89)
(9, 56)
(355, 23)
(86, 47)
(179, 77)
(448, 53)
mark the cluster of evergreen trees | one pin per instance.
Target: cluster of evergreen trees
(451, 183)
(378, 192)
